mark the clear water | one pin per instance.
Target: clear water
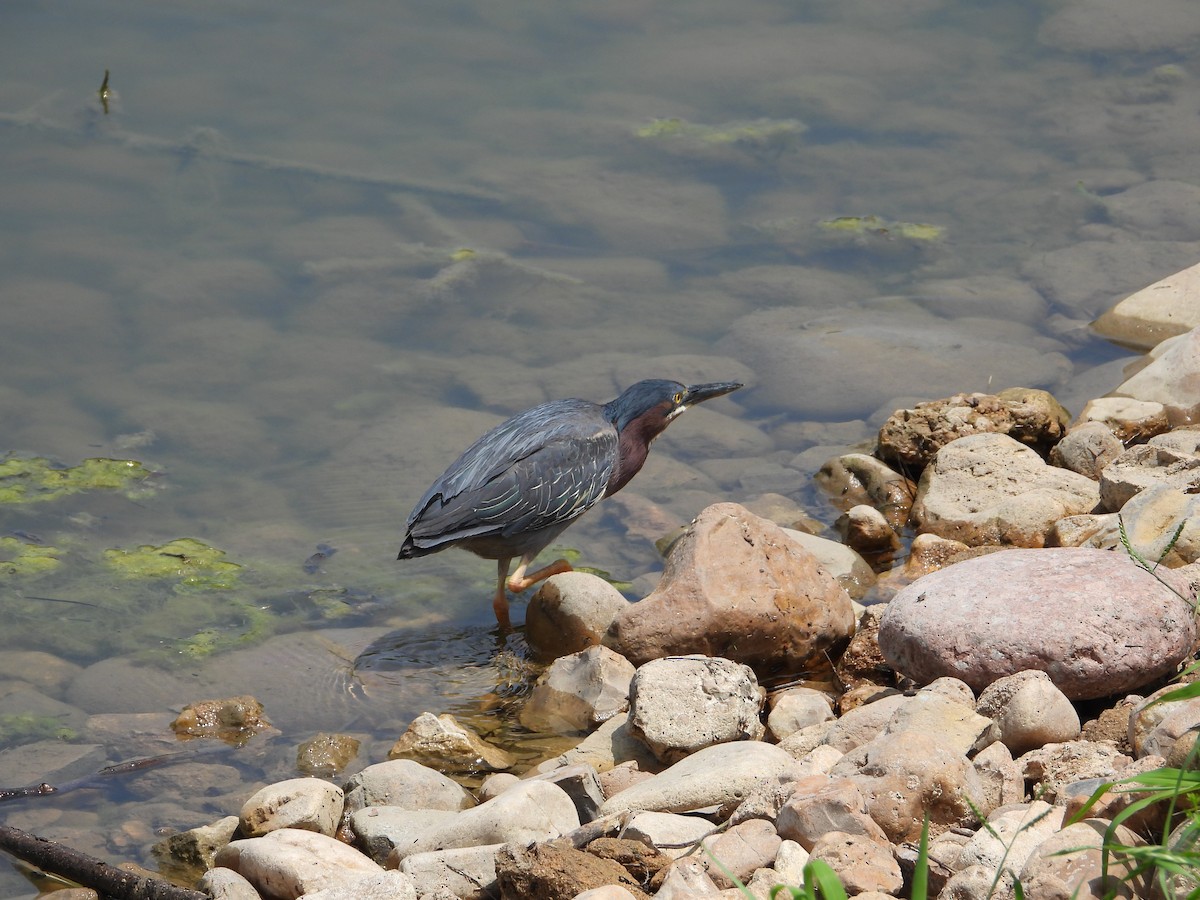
(311, 251)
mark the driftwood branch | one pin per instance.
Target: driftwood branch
(106, 880)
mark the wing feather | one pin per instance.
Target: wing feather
(541, 468)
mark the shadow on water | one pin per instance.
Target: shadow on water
(475, 672)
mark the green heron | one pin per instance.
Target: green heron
(520, 485)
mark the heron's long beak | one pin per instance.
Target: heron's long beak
(698, 393)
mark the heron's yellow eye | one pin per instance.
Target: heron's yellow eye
(678, 398)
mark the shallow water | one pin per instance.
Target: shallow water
(310, 252)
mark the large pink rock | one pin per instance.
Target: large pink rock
(1096, 622)
(735, 586)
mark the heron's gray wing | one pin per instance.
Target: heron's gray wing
(541, 468)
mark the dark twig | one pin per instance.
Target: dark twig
(106, 880)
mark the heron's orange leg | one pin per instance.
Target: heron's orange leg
(520, 581)
(500, 603)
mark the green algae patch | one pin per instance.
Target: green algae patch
(253, 624)
(25, 728)
(35, 479)
(876, 226)
(192, 564)
(23, 559)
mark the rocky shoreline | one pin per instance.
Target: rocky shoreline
(1052, 578)
(748, 715)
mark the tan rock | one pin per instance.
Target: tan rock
(1162, 310)
(1029, 711)
(744, 847)
(860, 863)
(571, 612)
(553, 870)
(820, 804)
(1069, 864)
(1053, 766)
(735, 586)
(440, 742)
(908, 775)
(911, 437)
(990, 489)
(1131, 421)
(305, 803)
(1087, 449)
(683, 703)
(578, 692)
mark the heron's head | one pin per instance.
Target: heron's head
(650, 406)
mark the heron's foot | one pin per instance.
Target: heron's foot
(520, 581)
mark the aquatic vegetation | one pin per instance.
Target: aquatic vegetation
(192, 564)
(32, 480)
(760, 131)
(25, 728)
(875, 226)
(27, 559)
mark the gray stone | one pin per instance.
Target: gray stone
(1096, 622)
(683, 703)
(467, 873)
(1029, 711)
(991, 489)
(305, 803)
(1087, 449)
(714, 776)
(579, 691)
(378, 829)
(801, 359)
(797, 708)
(529, 811)
(1170, 378)
(404, 783)
(843, 563)
(290, 862)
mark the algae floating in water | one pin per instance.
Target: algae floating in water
(35, 479)
(24, 559)
(192, 564)
(862, 226)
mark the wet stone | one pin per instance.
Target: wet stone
(324, 755)
(441, 742)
